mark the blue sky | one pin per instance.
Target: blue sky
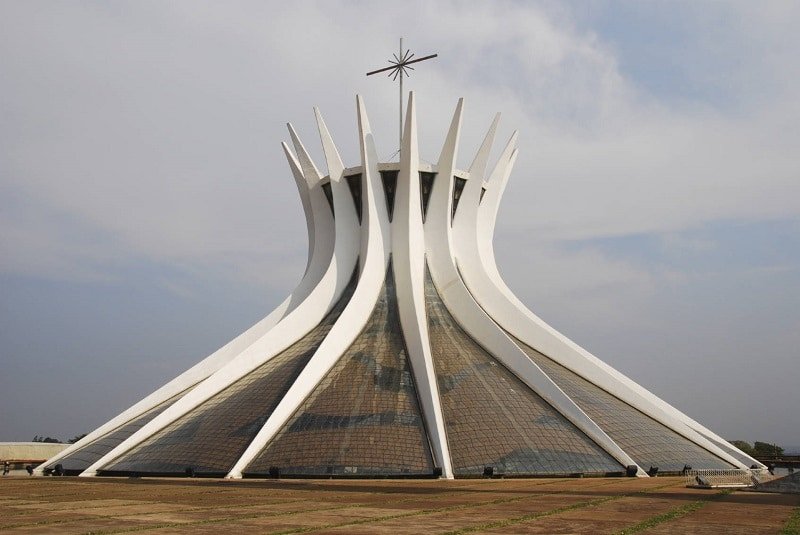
(147, 215)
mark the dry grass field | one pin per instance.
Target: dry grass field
(199, 506)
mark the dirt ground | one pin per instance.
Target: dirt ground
(199, 506)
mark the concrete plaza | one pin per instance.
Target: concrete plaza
(612, 505)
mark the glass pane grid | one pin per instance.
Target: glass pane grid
(213, 436)
(363, 418)
(494, 419)
(647, 441)
(86, 456)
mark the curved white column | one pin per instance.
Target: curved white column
(375, 248)
(322, 237)
(304, 187)
(347, 227)
(465, 231)
(473, 319)
(408, 262)
(319, 256)
(305, 316)
(474, 222)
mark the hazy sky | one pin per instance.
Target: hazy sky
(147, 214)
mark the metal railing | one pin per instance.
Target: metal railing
(734, 478)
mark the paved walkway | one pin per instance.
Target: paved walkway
(198, 506)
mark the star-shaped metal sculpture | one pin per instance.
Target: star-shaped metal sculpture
(400, 65)
(399, 68)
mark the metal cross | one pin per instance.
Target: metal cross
(400, 68)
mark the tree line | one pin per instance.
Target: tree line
(52, 440)
(758, 449)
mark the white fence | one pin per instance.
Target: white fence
(734, 478)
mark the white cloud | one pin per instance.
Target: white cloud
(148, 132)
(159, 124)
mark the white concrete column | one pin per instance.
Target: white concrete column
(408, 260)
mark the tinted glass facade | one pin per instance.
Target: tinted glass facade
(648, 442)
(354, 183)
(389, 179)
(92, 452)
(425, 189)
(213, 436)
(458, 188)
(363, 418)
(494, 419)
